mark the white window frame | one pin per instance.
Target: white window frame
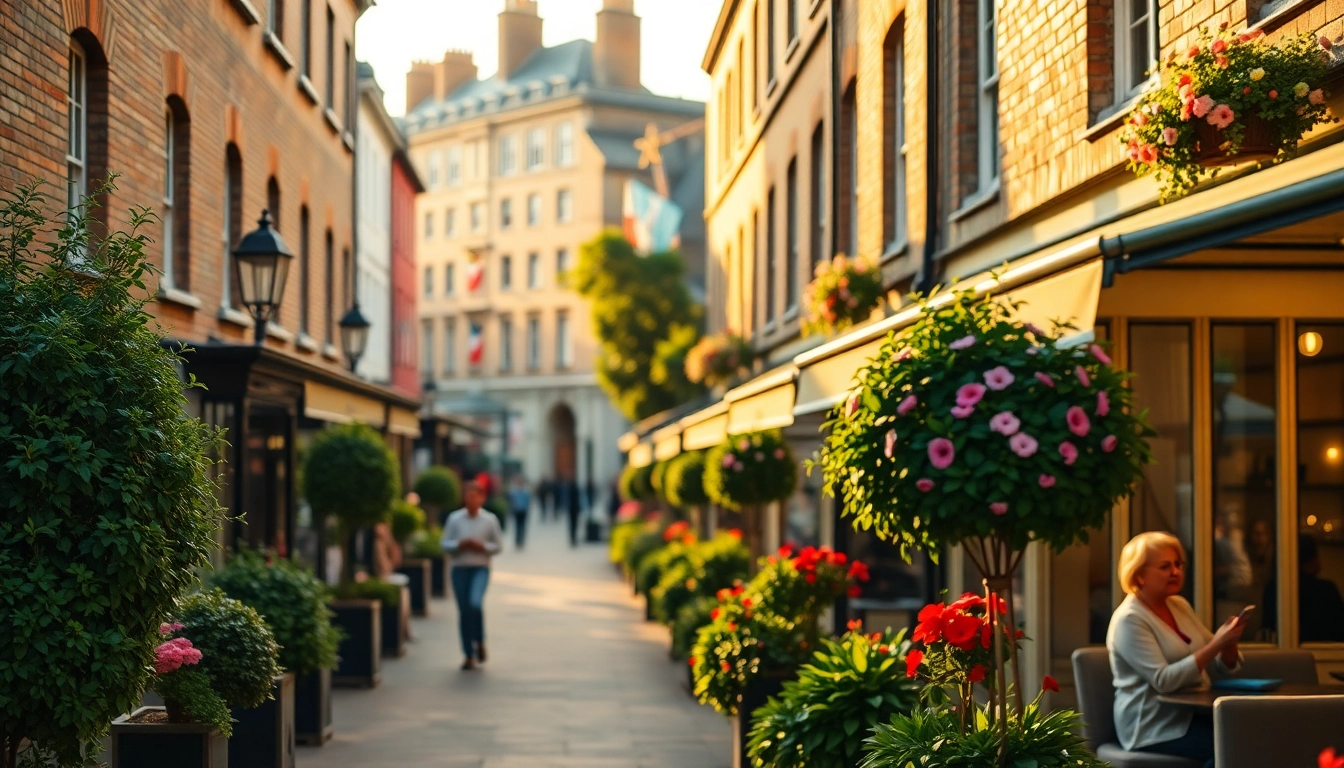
(506, 214)
(453, 159)
(1125, 55)
(450, 346)
(536, 149)
(505, 343)
(449, 279)
(168, 279)
(987, 95)
(77, 135)
(533, 342)
(508, 155)
(564, 145)
(506, 273)
(564, 206)
(534, 210)
(564, 343)
(534, 270)
(898, 191)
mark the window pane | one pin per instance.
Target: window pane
(1245, 508)
(1139, 55)
(1163, 500)
(1320, 483)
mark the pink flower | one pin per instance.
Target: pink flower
(941, 452)
(1316, 97)
(851, 407)
(1193, 52)
(168, 629)
(890, 447)
(970, 394)
(1083, 378)
(779, 454)
(1069, 452)
(1023, 445)
(728, 460)
(1186, 91)
(1148, 154)
(907, 405)
(1099, 353)
(1046, 481)
(998, 378)
(173, 654)
(1078, 421)
(903, 355)
(1202, 105)
(1108, 443)
(1103, 403)
(1221, 116)
(1139, 119)
(999, 507)
(1033, 351)
(965, 342)
(1219, 46)
(1221, 62)
(962, 411)
(1045, 379)
(1169, 136)
(744, 443)
(924, 484)
(1005, 423)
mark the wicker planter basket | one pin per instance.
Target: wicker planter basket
(1258, 144)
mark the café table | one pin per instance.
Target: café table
(1203, 698)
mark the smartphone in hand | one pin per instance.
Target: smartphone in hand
(1241, 617)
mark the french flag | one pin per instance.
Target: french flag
(475, 274)
(475, 345)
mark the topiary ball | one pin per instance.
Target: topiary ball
(684, 481)
(439, 488)
(238, 651)
(750, 470)
(351, 474)
(405, 520)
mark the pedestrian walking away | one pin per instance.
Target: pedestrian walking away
(569, 500)
(471, 537)
(520, 501)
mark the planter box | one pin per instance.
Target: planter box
(156, 745)
(418, 571)
(1257, 143)
(361, 648)
(753, 698)
(263, 737)
(312, 708)
(438, 576)
(396, 622)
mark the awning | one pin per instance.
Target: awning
(403, 422)
(627, 441)
(705, 428)
(641, 455)
(1064, 286)
(765, 402)
(327, 403)
(667, 442)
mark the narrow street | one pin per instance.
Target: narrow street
(575, 678)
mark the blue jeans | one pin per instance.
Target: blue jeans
(469, 583)
(1196, 744)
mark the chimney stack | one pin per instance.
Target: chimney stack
(616, 53)
(457, 68)
(419, 83)
(519, 35)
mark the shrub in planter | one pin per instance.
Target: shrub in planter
(843, 293)
(679, 541)
(622, 534)
(690, 618)
(238, 652)
(439, 489)
(642, 546)
(636, 483)
(427, 543)
(1232, 97)
(99, 465)
(352, 475)
(850, 686)
(188, 691)
(750, 470)
(930, 739)
(707, 568)
(657, 473)
(405, 520)
(719, 359)
(684, 482)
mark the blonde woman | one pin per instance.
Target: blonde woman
(1158, 646)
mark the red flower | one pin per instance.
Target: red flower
(1048, 684)
(786, 550)
(977, 673)
(726, 666)
(882, 649)
(736, 533)
(1273, 94)
(858, 571)
(1328, 759)
(912, 661)
(1185, 80)
(930, 627)
(986, 635)
(714, 614)
(854, 591)
(968, 601)
(855, 625)
(691, 661)
(732, 626)
(737, 588)
(876, 636)
(840, 558)
(811, 578)
(961, 630)
(746, 602)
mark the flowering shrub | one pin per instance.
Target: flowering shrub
(684, 483)
(955, 648)
(238, 651)
(718, 359)
(707, 568)
(677, 549)
(972, 425)
(1214, 96)
(184, 686)
(843, 293)
(689, 619)
(750, 470)
(851, 685)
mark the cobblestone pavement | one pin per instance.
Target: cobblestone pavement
(575, 679)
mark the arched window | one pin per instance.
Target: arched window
(303, 269)
(77, 145)
(329, 305)
(273, 202)
(175, 214)
(233, 221)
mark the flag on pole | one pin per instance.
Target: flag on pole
(475, 345)
(652, 223)
(475, 273)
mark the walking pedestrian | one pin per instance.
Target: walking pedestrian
(520, 500)
(544, 497)
(570, 501)
(471, 538)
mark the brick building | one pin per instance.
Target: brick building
(211, 112)
(989, 141)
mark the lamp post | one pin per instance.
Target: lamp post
(354, 335)
(261, 264)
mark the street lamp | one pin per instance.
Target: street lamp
(261, 263)
(354, 335)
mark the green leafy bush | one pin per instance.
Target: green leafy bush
(622, 534)
(750, 470)
(106, 502)
(706, 568)
(238, 651)
(641, 547)
(439, 489)
(657, 471)
(406, 519)
(850, 686)
(684, 483)
(351, 474)
(929, 739)
(428, 543)
(653, 566)
(293, 603)
(371, 589)
(720, 359)
(636, 483)
(690, 618)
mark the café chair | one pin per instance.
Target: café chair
(1265, 731)
(1294, 666)
(1096, 697)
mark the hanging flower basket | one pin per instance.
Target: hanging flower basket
(717, 360)
(1230, 98)
(843, 293)
(750, 470)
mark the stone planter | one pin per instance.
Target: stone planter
(753, 698)
(1257, 143)
(361, 648)
(156, 745)
(418, 571)
(395, 622)
(312, 708)
(438, 576)
(263, 737)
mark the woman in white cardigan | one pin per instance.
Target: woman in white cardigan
(1158, 646)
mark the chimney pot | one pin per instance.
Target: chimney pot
(519, 35)
(616, 52)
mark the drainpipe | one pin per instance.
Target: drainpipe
(926, 278)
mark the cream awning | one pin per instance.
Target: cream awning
(765, 402)
(327, 403)
(403, 422)
(641, 455)
(705, 428)
(667, 442)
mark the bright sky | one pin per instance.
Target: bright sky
(394, 33)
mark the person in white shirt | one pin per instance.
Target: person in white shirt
(1158, 646)
(471, 536)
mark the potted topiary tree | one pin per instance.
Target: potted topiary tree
(351, 475)
(407, 521)
(440, 492)
(99, 464)
(293, 601)
(684, 487)
(747, 473)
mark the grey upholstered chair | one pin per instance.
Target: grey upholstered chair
(1290, 666)
(1271, 731)
(1096, 697)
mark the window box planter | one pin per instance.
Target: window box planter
(362, 646)
(312, 708)
(263, 737)
(394, 626)
(418, 571)
(1259, 144)
(154, 745)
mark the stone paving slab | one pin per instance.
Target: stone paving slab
(576, 679)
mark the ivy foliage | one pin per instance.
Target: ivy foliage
(930, 739)
(439, 489)
(238, 651)
(352, 475)
(291, 600)
(645, 321)
(106, 502)
(750, 470)
(684, 483)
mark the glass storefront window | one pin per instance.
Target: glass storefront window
(1320, 482)
(1160, 359)
(1245, 501)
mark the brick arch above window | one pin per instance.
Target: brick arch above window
(176, 80)
(94, 19)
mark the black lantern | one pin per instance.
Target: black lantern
(354, 335)
(261, 264)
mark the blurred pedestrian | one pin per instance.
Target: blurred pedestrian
(544, 490)
(472, 538)
(520, 500)
(571, 502)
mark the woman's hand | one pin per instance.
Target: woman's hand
(1224, 644)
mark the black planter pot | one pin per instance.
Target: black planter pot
(156, 745)
(395, 622)
(312, 708)
(753, 698)
(361, 648)
(418, 571)
(263, 737)
(438, 576)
